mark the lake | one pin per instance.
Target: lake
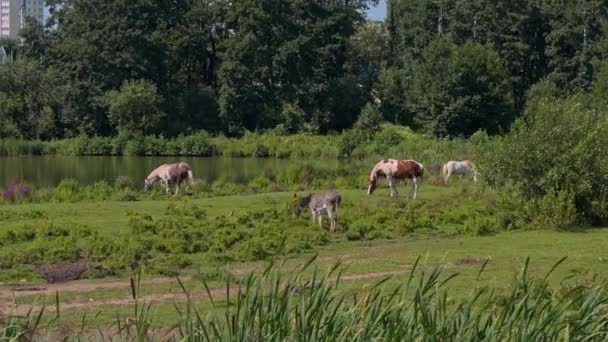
(46, 171)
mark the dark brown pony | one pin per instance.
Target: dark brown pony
(394, 169)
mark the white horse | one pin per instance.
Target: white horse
(394, 169)
(170, 173)
(459, 168)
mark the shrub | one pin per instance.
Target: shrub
(292, 118)
(555, 210)
(351, 139)
(260, 184)
(479, 225)
(558, 146)
(135, 107)
(385, 140)
(68, 190)
(124, 182)
(100, 191)
(370, 119)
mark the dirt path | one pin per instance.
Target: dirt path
(8, 296)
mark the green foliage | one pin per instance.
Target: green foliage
(370, 119)
(555, 210)
(275, 305)
(292, 119)
(135, 107)
(272, 301)
(27, 101)
(530, 158)
(352, 139)
(458, 90)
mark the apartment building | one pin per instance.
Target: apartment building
(14, 12)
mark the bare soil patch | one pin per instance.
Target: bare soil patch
(66, 271)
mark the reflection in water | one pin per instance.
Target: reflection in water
(44, 171)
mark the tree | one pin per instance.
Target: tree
(36, 40)
(9, 48)
(98, 46)
(551, 134)
(457, 90)
(367, 52)
(576, 28)
(515, 29)
(28, 101)
(285, 52)
(135, 107)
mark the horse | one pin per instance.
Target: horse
(393, 170)
(319, 203)
(170, 173)
(459, 168)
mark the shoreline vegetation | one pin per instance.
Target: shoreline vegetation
(355, 143)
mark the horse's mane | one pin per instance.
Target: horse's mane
(373, 174)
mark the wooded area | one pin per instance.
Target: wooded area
(449, 67)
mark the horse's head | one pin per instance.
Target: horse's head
(299, 203)
(147, 185)
(371, 184)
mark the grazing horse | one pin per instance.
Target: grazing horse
(170, 173)
(459, 168)
(319, 203)
(394, 169)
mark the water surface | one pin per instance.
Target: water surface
(46, 171)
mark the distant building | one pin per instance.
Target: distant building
(14, 12)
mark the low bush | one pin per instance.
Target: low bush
(557, 150)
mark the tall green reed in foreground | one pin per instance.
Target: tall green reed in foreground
(308, 305)
(272, 307)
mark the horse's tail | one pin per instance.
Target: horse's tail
(190, 177)
(420, 170)
(338, 202)
(475, 171)
(444, 171)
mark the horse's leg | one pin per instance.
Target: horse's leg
(313, 215)
(415, 186)
(176, 188)
(332, 217)
(391, 185)
(167, 186)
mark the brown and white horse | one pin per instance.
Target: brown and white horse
(170, 173)
(394, 169)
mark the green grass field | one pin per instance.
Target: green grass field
(365, 261)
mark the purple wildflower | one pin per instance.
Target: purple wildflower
(9, 194)
(25, 191)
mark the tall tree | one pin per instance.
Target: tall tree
(284, 52)
(575, 28)
(457, 90)
(100, 45)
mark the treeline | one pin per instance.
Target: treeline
(154, 67)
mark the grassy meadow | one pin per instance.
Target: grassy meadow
(469, 231)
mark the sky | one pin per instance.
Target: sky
(378, 12)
